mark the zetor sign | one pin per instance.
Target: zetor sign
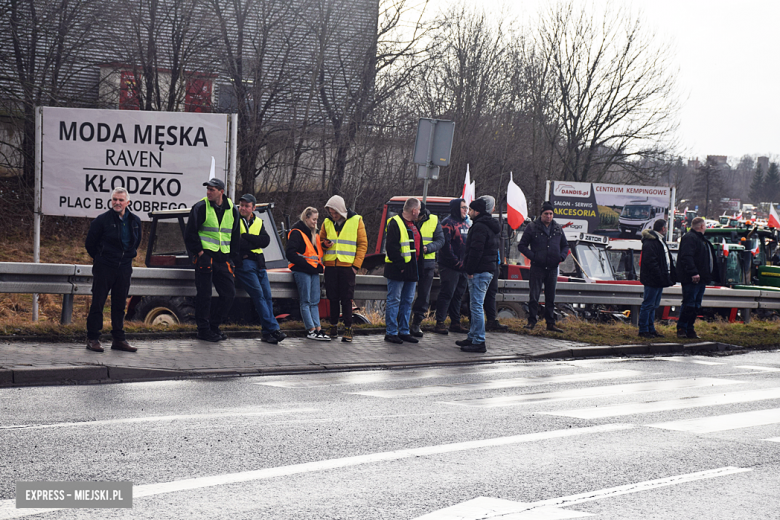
(161, 158)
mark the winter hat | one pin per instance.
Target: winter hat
(546, 206)
(337, 204)
(479, 205)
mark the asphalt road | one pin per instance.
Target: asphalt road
(674, 437)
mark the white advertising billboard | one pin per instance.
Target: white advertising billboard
(161, 158)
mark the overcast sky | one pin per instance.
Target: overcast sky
(728, 56)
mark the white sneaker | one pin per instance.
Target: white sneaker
(321, 336)
(312, 334)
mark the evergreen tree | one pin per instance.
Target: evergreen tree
(757, 185)
(771, 184)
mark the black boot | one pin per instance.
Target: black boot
(414, 327)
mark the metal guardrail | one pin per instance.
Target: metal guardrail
(69, 280)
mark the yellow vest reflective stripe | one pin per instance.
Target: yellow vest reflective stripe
(344, 244)
(254, 229)
(214, 235)
(407, 245)
(426, 231)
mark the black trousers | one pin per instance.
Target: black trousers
(116, 281)
(423, 301)
(340, 289)
(453, 285)
(539, 277)
(210, 271)
(490, 297)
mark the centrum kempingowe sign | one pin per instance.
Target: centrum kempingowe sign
(161, 158)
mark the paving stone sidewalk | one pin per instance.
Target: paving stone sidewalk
(36, 363)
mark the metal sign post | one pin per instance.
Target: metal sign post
(432, 149)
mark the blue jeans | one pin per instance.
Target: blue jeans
(691, 303)
(478, 286)
(399, 306)
(256, 284)
(309, 294)
(647, 310)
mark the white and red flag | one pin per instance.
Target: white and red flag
(755, 249)
(774, 221)
(516, 205)
(725, 248)
(469, 188)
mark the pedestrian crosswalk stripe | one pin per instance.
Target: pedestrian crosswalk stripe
(683, 359)
(500, 383)
(355, 378)
(598, 391)
(600, 412)
(773, 439)
(762, 369)
(719, 423)
(482, 508)
(8, 507)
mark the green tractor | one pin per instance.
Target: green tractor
(745, 252)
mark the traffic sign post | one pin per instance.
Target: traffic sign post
(432, 148)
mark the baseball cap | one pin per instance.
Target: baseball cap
(216, 183)
(248, 197)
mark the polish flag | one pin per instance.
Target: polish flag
(756, 248)
(774, 221)
(516, 205)
(469, 188)
(725, 248)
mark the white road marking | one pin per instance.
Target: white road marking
(500, 383)
(8, 507)
(486, 507)
(599, 412)
(684, 359)
(598, 391)
(355, 378)
(773, 439)
(160, 418)
(505, 512)
(762, 369)
(732, 421)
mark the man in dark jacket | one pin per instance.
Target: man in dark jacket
(432, 241)
(697, 265)
(212, 238)
(451, 273)
(545, 245)
(403, 248)
(657, 272)
(112, 242)
(480, 265)
(491, 310)
(250, 268)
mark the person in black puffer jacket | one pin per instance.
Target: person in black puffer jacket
(112, 242)
(697, 265)
(480, 265)
(451, 276)
(304, 253)
(656, 273)
(545, 245)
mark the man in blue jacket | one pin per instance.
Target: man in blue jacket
(112, 242)
(545, 245)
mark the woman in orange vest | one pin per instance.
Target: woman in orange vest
(304, 253)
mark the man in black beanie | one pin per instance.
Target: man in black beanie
(545, 245)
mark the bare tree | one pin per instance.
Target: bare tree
(363, 69)
(614, 97)
(44, 45)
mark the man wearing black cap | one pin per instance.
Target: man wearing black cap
(545, 245)
(212, 238)
(251, 268)
(479, 264)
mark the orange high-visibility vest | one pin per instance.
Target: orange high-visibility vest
(313, 253)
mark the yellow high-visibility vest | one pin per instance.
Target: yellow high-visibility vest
(214, 235)
(407, 249)
(426, 232)
(344, 245)
(254, 229)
